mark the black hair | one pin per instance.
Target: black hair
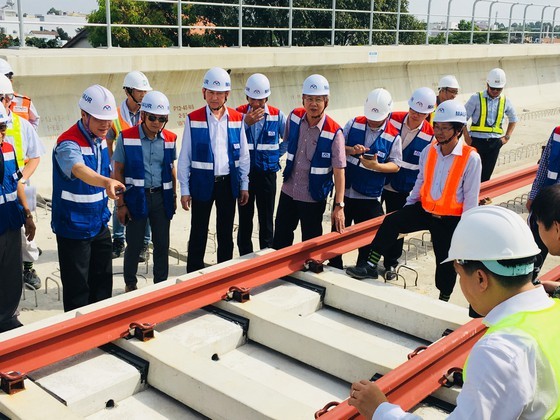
(508, 282)
(546, 206)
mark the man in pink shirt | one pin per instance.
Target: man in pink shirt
(315, 154)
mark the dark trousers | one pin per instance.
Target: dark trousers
(262, 190)
(290, 212)
(135, 231)
(357, 211)
(544, 250)
(11, 272)
(412, 219)
(86, 269)
(200, 218)
(488, 149)
(393, 201)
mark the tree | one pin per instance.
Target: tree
(463, 35)
(6, 41)
(53, 11)
(42, 43)
(62, 35)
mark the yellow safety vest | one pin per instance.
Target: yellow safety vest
(481, 126)
(15, 133)
(543, 327)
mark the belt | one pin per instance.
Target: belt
(152, 190)
(221, 178)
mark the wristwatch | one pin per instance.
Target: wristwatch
(507, 137)
(23, 181)
(341, 204)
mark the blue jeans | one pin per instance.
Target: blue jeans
(118, 229)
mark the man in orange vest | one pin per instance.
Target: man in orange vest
(448, 184)
(21, 104)
(135, 86)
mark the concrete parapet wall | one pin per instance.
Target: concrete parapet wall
(56, 78)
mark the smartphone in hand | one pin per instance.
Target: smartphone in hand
(369, 156)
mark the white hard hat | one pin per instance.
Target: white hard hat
(257, 86)
(5, 85)
(217, 79)
(423, 100)
(496, 78)
(156, 103)
(5, 67)
(315, 85)
(491, 233)
(378, 105)
(4, 116)
(137, 80)
(448, 81)
(99, 102)
(451, 111)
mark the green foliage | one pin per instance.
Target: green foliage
(6, 41)
(53, 11)
(42, 43)
(479, 36)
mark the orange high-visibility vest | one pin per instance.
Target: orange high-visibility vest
(447, 204)
(21, 105)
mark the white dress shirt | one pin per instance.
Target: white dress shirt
(219, 142)
(508, 376)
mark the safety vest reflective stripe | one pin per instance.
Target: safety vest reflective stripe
(320, 171)
(134, 181)
(264, 147)
(9, 197)
(167, 185)
(410, 166)
(132, 142)
(198, 124)
(203, 165)
(15, 133)
(9, 155)
(83, 198)
(553, 158)
(482, 125)
(120, 124)
(447, 204)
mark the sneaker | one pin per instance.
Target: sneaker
(391, 274)
(361, 272)
(130, 288)
(443, 297)
(31, 278)
(143, 254)
(118, 246)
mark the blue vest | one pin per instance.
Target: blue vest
(79, 210)
(553, 158)
(265, 150)
(365, 181)
(11, 212)
(134, 174)
(201, 181)
(320, 174)
(403, 181)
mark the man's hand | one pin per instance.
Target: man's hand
(243, 197)
(370, 162)
(123, 214)
(359, 149)
(186, 202)
(253, 116)
(112, 186)
(366, 397)
(29, 228)
(337, 219)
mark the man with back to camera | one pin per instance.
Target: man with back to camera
(513, 371)
(81, 185)
(373, 149)
(488, 110)
(264, 126)
(213, 166)
(316, 154)
(448, 184)
(135, 86)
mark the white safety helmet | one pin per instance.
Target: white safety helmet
(496, 78)
(155, 103)
(448, 81)
(5, 85)
(378, 105)
(5, 67)
(99, 102)
(257, 86)
(451, 111)
(490, 233)
(423, 100)
(137, 80)
(315, 85)
(217, 79)
(4, 116)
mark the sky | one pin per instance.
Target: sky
(459, 9)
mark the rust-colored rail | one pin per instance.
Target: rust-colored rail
(56, 342)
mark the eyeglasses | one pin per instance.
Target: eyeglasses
(153, 118)
(314, 99)
(495, 89)
(9, 75)
(3, 126)
(452, 91)
(438, 127)
(8, 96)
(462, 262)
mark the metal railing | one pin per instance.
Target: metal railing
(328, 22)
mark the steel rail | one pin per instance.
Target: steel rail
(417, 378)
(56, 342)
